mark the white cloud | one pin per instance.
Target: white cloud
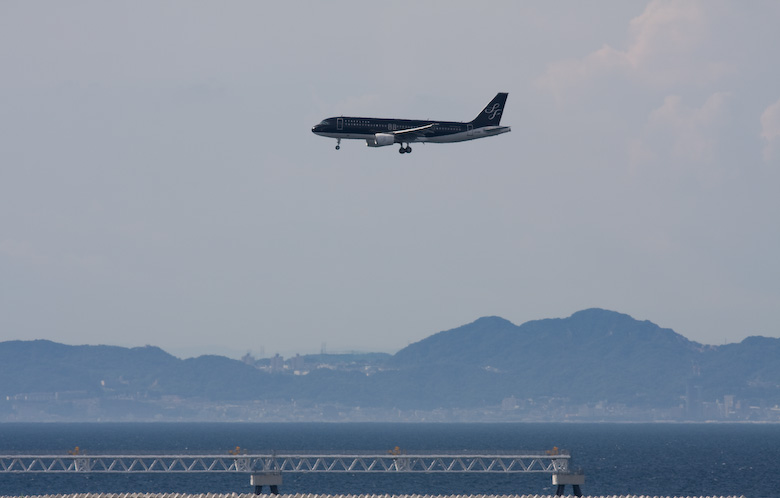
(690, 129)
(770, 130)
(678, 134)
(664, 49)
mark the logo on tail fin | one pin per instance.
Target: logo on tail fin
(490, 115)
(493, 111)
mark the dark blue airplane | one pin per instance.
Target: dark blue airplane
(378, 132)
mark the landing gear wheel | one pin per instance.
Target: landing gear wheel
(338, 147)
(401, 150)
(408, 149)
(338, 143)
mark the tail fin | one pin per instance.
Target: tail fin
(491, 114)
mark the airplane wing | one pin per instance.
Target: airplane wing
(420, 130)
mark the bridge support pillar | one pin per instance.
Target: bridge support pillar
(562, 479)
(271, 479)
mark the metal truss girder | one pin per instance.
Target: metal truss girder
(287, 463)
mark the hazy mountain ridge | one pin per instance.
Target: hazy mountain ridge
(594, 356)
(496, 342)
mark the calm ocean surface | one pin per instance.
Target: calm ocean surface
(650, 459)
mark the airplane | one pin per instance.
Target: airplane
(379, 132)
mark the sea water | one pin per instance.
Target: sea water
(618, 459)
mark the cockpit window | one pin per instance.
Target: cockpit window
(325, 122)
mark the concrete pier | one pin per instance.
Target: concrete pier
(560, 481)
(271, 479)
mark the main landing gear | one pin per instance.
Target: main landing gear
(404, 150)
(338, 143)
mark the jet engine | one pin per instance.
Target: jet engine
(380, 140)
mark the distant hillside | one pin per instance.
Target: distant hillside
(592, 355)
(592, 358)
(44, 366)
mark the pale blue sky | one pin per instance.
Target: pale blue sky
(159, 183)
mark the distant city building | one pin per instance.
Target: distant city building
(728, 406)
(298, 364)
(509, 403)
(277, 363)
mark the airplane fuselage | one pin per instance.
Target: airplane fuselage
(380, 132)
(367, 128)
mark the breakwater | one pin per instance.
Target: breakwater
(311, 495)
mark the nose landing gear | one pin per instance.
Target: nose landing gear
(338, 143)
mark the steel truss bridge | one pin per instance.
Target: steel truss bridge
(285, 463)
